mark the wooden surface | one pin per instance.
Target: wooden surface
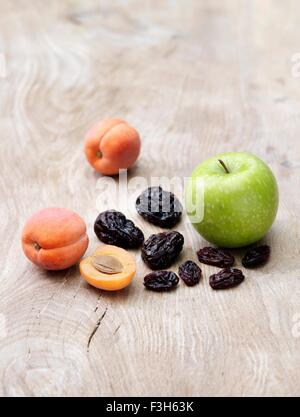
(195, 78)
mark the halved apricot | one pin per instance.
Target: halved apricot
(110, 268)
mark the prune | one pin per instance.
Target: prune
(159, 207)
(161, 280)
(215, 257)
(190, 273)
(226, 278)
(159, 251)
(113, 228)
(256, 256)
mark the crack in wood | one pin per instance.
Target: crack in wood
(95, 329)
(97, 306)
(117, 329)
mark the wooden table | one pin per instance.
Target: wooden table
(196, 78)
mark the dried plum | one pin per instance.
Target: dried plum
(215, 257)
(190, 273)
(161, 280)
(159, 251)
(159, 207)
(226, 278)
(256, 256)
(113, 228)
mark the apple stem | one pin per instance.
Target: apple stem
(224, 166)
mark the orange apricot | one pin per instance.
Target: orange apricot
(110, 268)
(111, 145)
(54, 238)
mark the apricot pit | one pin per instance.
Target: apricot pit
(107, 264)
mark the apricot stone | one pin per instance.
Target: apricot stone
(54, 238)
(111, 145)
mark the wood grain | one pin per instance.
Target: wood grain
(195, 78)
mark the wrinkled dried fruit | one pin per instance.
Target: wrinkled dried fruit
(113, 228)
(215, 257)
(161, 280)
(159, 207)
(226, 278)
(256, 256)
(190, 273)
(159, 251)
(107, 264)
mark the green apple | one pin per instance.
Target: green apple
(232, 199)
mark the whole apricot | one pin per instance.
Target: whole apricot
(111, 145)
(54, 238)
